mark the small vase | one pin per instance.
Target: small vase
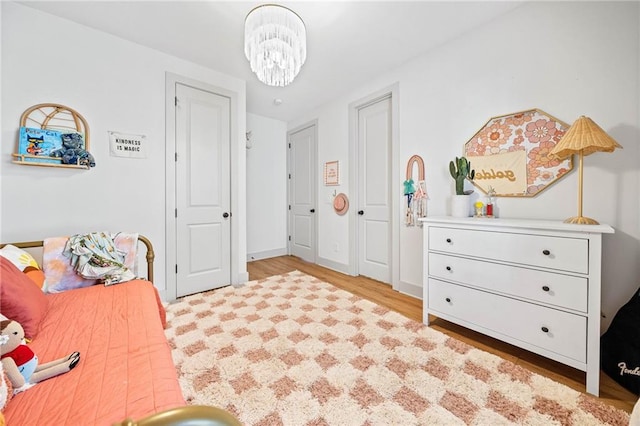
(460, 206)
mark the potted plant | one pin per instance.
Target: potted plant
(460, 170)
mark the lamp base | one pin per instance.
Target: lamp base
(581, 220)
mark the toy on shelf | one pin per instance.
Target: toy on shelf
(53, 135)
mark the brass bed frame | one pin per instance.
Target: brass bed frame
(150, 256)
(186, 415)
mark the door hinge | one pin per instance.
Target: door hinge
(176, 268)
(289, 145)
(289, 175)
(289, 237)
(289, 206)
(176, 101)
(176, 212)
(176, 157)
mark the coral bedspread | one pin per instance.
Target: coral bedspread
(125, 369)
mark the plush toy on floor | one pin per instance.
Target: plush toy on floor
(21, 364)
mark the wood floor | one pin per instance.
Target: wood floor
(383, 294)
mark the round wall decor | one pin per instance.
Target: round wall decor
(341, 204)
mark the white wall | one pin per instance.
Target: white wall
(266, 188)
(116, 85)
(568, 59)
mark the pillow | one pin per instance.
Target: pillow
(57, 268)
(37, 276)
(60, 275)
(24, 262)
(20, 300)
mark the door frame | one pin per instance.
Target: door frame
(314, 124)
(171, 80)
(392, 91)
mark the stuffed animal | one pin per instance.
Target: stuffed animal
(72, 151)
(21, 364)
(6, 391)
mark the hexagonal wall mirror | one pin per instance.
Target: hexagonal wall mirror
(510, 154)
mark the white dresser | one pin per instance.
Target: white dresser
(532, 283)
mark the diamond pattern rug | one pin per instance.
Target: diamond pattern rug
(292, 350)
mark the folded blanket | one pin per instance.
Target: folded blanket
(95, 256)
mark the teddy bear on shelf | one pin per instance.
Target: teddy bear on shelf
(72, 151)
(21, 364)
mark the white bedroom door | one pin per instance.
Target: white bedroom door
(374, 190)
(302, 193)
(203, 196)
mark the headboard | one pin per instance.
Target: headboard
(150, 255)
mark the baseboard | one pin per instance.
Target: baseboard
(340, 267)
(266, 254)
(243, 277)
(409, 289)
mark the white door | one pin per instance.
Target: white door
(374, 190)
(302, 193)
(203, 219)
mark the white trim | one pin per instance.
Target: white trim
(267, 254)
(314, 124)
(243, 277)
(394, 92)
(238, 275)
(409, 289)
(333, 265)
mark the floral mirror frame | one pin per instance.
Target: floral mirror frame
(510, 154)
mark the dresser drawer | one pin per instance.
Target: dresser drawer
(566, 333)
(552, 288)
(564, 254)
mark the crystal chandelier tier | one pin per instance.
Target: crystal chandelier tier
(275, 43)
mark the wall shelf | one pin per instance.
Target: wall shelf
(23, 159)
(49, 116)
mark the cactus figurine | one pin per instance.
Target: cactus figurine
(461, 170)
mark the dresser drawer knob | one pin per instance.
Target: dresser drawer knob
(448, 299)
(545, 288)
(545, 329)
(448, 268)
(546, 252)
(449, 240)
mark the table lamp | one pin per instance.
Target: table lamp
(584, 137)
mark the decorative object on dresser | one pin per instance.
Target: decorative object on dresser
(510, 153)
(584, 137)
(461, 170)
(532, 283)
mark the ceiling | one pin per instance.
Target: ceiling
(348, 42)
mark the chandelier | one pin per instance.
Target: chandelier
(275, 43)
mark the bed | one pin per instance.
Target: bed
(126, 369)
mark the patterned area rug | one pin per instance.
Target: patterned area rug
(292, 350)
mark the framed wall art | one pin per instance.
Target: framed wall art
(331, 173)
(510, 153)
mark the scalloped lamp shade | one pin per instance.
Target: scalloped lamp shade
(584, 137)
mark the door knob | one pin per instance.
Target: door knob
(312, 211)
(225, 215)
(360, 212)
